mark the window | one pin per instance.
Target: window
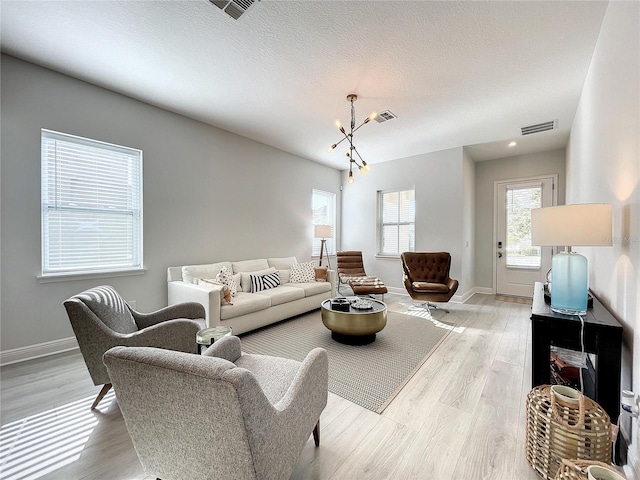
(91, 206)
(520, 202)
(324, 213)
(396, 226)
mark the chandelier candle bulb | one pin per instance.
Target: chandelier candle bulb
(363, 167)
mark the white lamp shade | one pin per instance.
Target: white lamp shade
(323, 231)
(587, 224)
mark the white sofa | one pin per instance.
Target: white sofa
(249, 310)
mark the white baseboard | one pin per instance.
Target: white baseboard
(484, 290)
(38, 350)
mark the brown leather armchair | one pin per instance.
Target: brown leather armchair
(426, 277)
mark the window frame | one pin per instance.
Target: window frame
(52, 193)
(330, 244)
(381, 223)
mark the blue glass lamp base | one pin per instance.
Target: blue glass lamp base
(570, 283)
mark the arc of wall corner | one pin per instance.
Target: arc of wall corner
(38, 350)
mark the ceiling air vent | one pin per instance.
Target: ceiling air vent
(384, 116)
(234, 8)
(540, 127)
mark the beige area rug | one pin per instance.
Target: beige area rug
(368, 375)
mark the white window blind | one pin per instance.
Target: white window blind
(324, 213)
(396, 227)
(91, 206)
(520, 202)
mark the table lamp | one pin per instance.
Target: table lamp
(587, 224)
(323, 232)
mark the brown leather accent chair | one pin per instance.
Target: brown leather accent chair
(426, 277)
(351, 271)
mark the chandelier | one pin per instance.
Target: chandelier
(362, 165)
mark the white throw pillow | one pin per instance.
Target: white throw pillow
(303, 272)
(285, 276)
(225, 277)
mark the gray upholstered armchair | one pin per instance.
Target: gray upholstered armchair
(101, 319)
(219, 415)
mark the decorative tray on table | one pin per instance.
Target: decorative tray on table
(361, 304)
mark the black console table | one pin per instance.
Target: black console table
(602, 336)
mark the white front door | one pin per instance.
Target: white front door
(518, 264)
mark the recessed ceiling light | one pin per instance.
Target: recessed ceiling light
(512, 144)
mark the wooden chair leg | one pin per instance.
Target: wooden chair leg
(316, 434)
(106, 387)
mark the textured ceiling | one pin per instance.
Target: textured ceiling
(454, 73)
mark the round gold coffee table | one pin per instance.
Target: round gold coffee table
(354, 327)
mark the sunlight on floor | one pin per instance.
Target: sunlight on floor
(39, 444)
(417, 311)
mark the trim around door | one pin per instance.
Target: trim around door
(496, 185)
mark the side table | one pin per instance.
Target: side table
(206, 337)
(602, 336)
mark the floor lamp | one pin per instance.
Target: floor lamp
(323, 232)
(587, 224)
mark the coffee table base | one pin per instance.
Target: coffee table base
(353, 339)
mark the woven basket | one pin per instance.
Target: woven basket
(558, 429)
(577, 469)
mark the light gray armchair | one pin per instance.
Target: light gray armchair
(101, 319)
(219, 415)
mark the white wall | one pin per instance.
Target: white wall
(209, 195)
(603, 165)
(443, 219)
(468, 221)
(488, 172)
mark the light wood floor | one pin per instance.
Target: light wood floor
(460, 417)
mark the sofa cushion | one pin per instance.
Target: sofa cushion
(245, 278)
(224, 276)
(303, 272)
(426, 287)
(250, 265)
(312, 288)
(264, 282)
(192, 272)
(282, 263)
(283, 294)
(244, 303)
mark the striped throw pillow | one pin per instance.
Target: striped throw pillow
(264, 282)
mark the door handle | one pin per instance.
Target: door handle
(499, 254)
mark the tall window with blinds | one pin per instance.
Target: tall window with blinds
(396, 224)
(91, 206)
(520, 202)
(324, 213)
